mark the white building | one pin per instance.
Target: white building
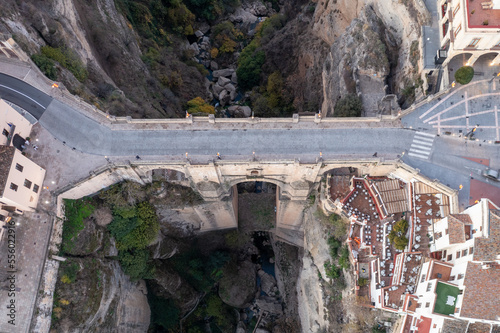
(20, 181)
(465, 284)
(469, 27)
(14, 126)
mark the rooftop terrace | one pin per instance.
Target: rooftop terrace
(479, 12)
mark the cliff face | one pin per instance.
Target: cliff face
(118, 79)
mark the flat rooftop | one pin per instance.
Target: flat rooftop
(446, 299)
(482, 14)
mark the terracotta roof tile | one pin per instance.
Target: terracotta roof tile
(456, 230)
(454, 326)
(479, 328)
(6, 157)
(487, 249)
(464, 218)
(479, 301)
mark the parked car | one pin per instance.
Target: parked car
(492, 174)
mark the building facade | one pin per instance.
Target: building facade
(20, 181)
(470, 28)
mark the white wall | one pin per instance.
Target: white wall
(9, 115)
(24, 198)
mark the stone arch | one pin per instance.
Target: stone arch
(491, 57)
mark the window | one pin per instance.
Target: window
(460, 277)
(458, 30)
(27, 183)
(464, 253)
(446, 231)
(457, 310)
(19, 167)
(427, 304)
(456, 10)
(497, 45)
(419, 305)
(5, 132)
(429, 286)
(452, 278)
(13, 187)
(473, 42)
(458, 254)
(471, 250)
(438, 235)
(450, 257)
(423, 278)
(35, 188)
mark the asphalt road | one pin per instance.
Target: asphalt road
(86, 135)
(20, 93)
(440, 157)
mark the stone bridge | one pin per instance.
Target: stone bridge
(215, 181)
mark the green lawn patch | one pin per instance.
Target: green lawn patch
(444, 290)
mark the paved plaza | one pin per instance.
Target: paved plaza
(464, 108)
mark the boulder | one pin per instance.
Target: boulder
(223, 72)
(223, 81)
(224, 97)
(239, 111)
(243, 16)
(247, 112)
(237, 287)
(233, 94)
(198, 33)
(234, 78)
(268, 283)
(206, 40)
(229, 87)
(213, 65)
(195, 48)
(218, 89)
(269, 305)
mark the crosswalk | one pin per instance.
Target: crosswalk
(422, 145)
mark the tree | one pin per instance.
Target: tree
(397, 236)
(249, 65)
(46, 65)
(199, 105)
(348, 106)
(464, 74)
(135, 263)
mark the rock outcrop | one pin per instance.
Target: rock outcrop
(237, 287)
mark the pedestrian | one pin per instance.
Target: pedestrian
(218, 156)
(35, 147)
(137, 157)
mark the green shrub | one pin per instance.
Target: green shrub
(397, 234)
(348, 106)
(75, 212)
(68, 271)
(362, 282)
(250, 65)
(67, 59)
(137, 231)
(332, 271)
(46, 65)
(135, 263)
(464, 74)
(198, 105)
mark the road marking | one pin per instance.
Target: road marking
(496, 123)
(460, 117)
(457, 104)
(466, 113)
(423, 142)
(424, 157)
(20, 93)
(421, 145)
(425, 134)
